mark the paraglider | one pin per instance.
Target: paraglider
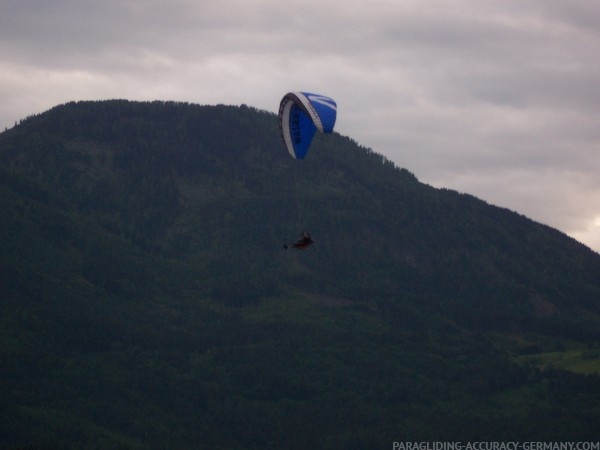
(301, 114)
(304, 242)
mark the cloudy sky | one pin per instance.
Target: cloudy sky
(496, 98)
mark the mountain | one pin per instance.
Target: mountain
(148, 300)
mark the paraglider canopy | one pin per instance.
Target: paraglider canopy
(301, 114)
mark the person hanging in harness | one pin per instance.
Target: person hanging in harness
(304, 242)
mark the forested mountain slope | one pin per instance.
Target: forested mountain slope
(142, 269)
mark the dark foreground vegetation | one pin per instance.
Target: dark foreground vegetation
(147, 301)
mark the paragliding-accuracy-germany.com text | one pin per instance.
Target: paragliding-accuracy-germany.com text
(496, 446)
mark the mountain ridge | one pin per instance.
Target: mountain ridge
(168, 165)
(143, 263)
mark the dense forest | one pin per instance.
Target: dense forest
(147, 300)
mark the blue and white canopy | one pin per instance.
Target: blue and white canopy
(300, 115)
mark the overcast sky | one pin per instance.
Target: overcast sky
(495, 98)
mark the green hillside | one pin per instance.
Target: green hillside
(147, 300)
